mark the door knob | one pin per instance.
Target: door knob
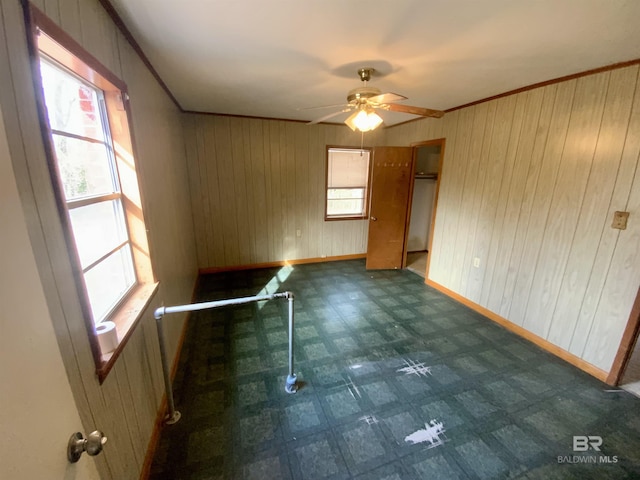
(92, 445)
(373, 218)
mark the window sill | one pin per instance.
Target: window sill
(352, 217)
(126, 319)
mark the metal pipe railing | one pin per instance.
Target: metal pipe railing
(173, 415)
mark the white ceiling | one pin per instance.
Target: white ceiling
(273, 58)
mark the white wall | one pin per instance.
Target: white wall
(421, 211)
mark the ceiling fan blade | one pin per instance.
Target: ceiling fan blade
(423, 112)
(327, 117)
(387, 98)
(324, 106)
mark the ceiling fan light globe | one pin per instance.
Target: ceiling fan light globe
(374, 120)
(364, 121)
(350, 122)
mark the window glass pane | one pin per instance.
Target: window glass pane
(334, 193)
(98, 228)
(345, 201)
(85, 167)
(72, 106)
(108, 281)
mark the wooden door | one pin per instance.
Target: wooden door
(391, 178)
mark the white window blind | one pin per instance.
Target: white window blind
(348, 168)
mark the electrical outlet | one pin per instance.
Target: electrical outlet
(298, 233)
(476, 262)
(620, 220)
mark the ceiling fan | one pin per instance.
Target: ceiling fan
(363, 101)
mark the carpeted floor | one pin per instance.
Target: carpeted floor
(398, 382)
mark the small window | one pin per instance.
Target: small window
(347, 183)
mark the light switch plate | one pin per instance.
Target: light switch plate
(620, 220)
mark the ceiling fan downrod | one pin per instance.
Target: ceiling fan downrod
(365, 73)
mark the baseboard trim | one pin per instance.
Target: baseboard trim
(526, 334)
(161, 413)
(282, 263)
(154, 440)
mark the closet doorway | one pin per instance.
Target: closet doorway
(427, 161)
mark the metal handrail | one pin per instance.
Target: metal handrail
(290, 386)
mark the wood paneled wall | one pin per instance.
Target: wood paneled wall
(255, 183)
(125, 405)
(529, 186)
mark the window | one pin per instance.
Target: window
(86, 167)
(347, 183)
(93, 173)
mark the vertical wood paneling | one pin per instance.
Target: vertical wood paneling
(316, 191)
(257, 182)
(200, 194)
(505, 108)
(226, 222)
(609, 241)
(210, 183)
(288, 178)
(620, 286)
(479, 148)
(275, 217)
(593, 219)
(151, 365)
(470, 157)
(492, 261)
(269, 182)
(537, 219)
(199, 198)
(123, 403)
(99, 35)
(566, 202)
(52, 10)
(451, 187)
(531, 176)
(251, 200)
(238, 190)
(301, 187)
(562, 159)
(41, 4)
(498, 301)
(70, 18)
(450, 124)
(143, 405)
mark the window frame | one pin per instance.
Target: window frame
(367, 188)
(48, 41)
(99, 198)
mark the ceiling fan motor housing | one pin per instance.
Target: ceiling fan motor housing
(361, 94)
